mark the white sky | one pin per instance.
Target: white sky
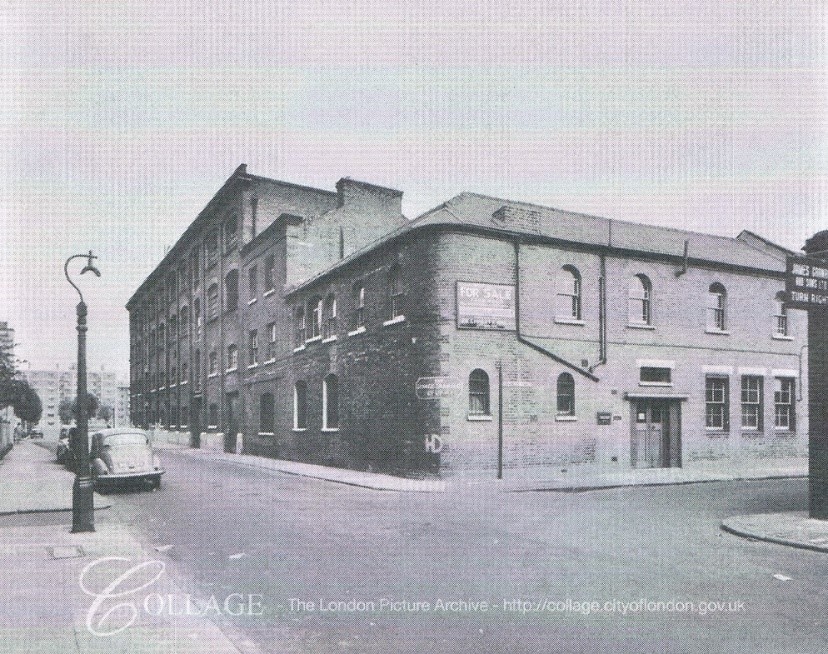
(119, 121)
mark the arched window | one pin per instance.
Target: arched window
(566, 395)
(300, 405)
(267, 414)
(638, 302)
(359, 306)
(197, 318)
(330, 316)
(478, 393)
(716, 307)
(395, 294)
(330, 402)
(231, 290)
(781, 315)
(212, 302)
(315, 311)
(568, 290)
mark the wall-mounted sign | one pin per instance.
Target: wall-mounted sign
(807, 282)
(604, 418)
(432, 388)
(485, 306)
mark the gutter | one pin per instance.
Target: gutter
(535, 346)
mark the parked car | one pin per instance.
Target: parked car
(35, 433)
(123, 455)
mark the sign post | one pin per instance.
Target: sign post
(807, 287)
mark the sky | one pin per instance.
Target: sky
(120, 120)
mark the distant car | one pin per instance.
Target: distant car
(35, 433)
(123, 455)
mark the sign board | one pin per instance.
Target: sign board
(806, 283)
(433, 388)
(485, 306)
(604, 417)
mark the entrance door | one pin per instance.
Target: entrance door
(655, 433)
(231, 422)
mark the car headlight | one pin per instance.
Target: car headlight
(155, 462)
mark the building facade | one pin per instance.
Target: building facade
(325, 327)
(61, 385)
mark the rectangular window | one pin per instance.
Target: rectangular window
(252, 282)
(316, 319)
(212, 249)
(213, 363)
(253, 348)
(717, 408)
(752, 405)
(650, 375)
(783, 404)
(299, 326)
(232, 357)
(271, 341)
(268, 273)
(212, 302)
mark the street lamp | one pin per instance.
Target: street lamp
(83, 510)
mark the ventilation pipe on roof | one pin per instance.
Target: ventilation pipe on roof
(535, 346)
(683, 268)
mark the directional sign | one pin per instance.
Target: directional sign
(433, 388)
(807, 283)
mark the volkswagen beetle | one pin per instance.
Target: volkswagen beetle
(123, 455)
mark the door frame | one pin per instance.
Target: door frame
(671, 441)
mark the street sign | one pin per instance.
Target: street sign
(485, 306)
(433, 388)
(806, 282)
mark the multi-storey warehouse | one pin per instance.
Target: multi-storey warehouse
(325, 327)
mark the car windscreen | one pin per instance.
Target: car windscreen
(125, 439)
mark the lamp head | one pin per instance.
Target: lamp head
(89, 267)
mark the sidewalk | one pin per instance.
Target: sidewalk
(794, 529)
(576, 478)
(55, 597)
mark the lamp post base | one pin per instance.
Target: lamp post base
(83, 509)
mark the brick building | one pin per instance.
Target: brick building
(325, 327)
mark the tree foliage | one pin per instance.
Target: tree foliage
(105, 412)
(66, 411)
(27, 406)
(92, 404)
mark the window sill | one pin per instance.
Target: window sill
(273, 360)
(357, 331)
(330, 339)
(269, 292)
(569, 321)
(781, 337)
(253, 365)
(184, 383)
(712, 432)
(330, 429)
(784, 434)
(266, 433)
(566, 418)
(662, 384)
(251, 301)
(313, 339)
(752, 433)
(232, 369)
(211, 375)
(299, 429)
(394, 321)
(641, 325)
(298, 349)
(717, 332)
(213, 427)
(479, 417)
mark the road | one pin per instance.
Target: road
(501, 572)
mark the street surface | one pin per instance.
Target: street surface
(334, 568)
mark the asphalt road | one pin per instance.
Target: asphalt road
(500, 572)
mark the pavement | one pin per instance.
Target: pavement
(89, 592)
(793, 528)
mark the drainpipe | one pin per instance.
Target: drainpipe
(602, 315)
(534, 346)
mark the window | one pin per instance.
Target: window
(268, 272)
(212, 302)
(478, 393)
(231, 229)
(231, 290)
(252, 282)
(300, 405)
(212, 249)
(783, 404)
(184, 373)
(638, 302)
(254, 206)
(184, 321)
(752, 405)
(299, 325)
(716, 305)
(651, 375)
(717, 405)
(213, 416)
(330, 317)
(267, 414)
(568, 294)
(271, 342)
(253, 348)
(213, 363)
(161, 335)
(173, 376)
(566, 395)
(232, 357)
(197, 371)
(780, 318)
(197, 316)
(182, 278)
(315, 309)
(172, 333)
(330, 402)
(395, 294)
(359, 304)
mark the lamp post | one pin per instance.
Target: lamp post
(83, 510)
